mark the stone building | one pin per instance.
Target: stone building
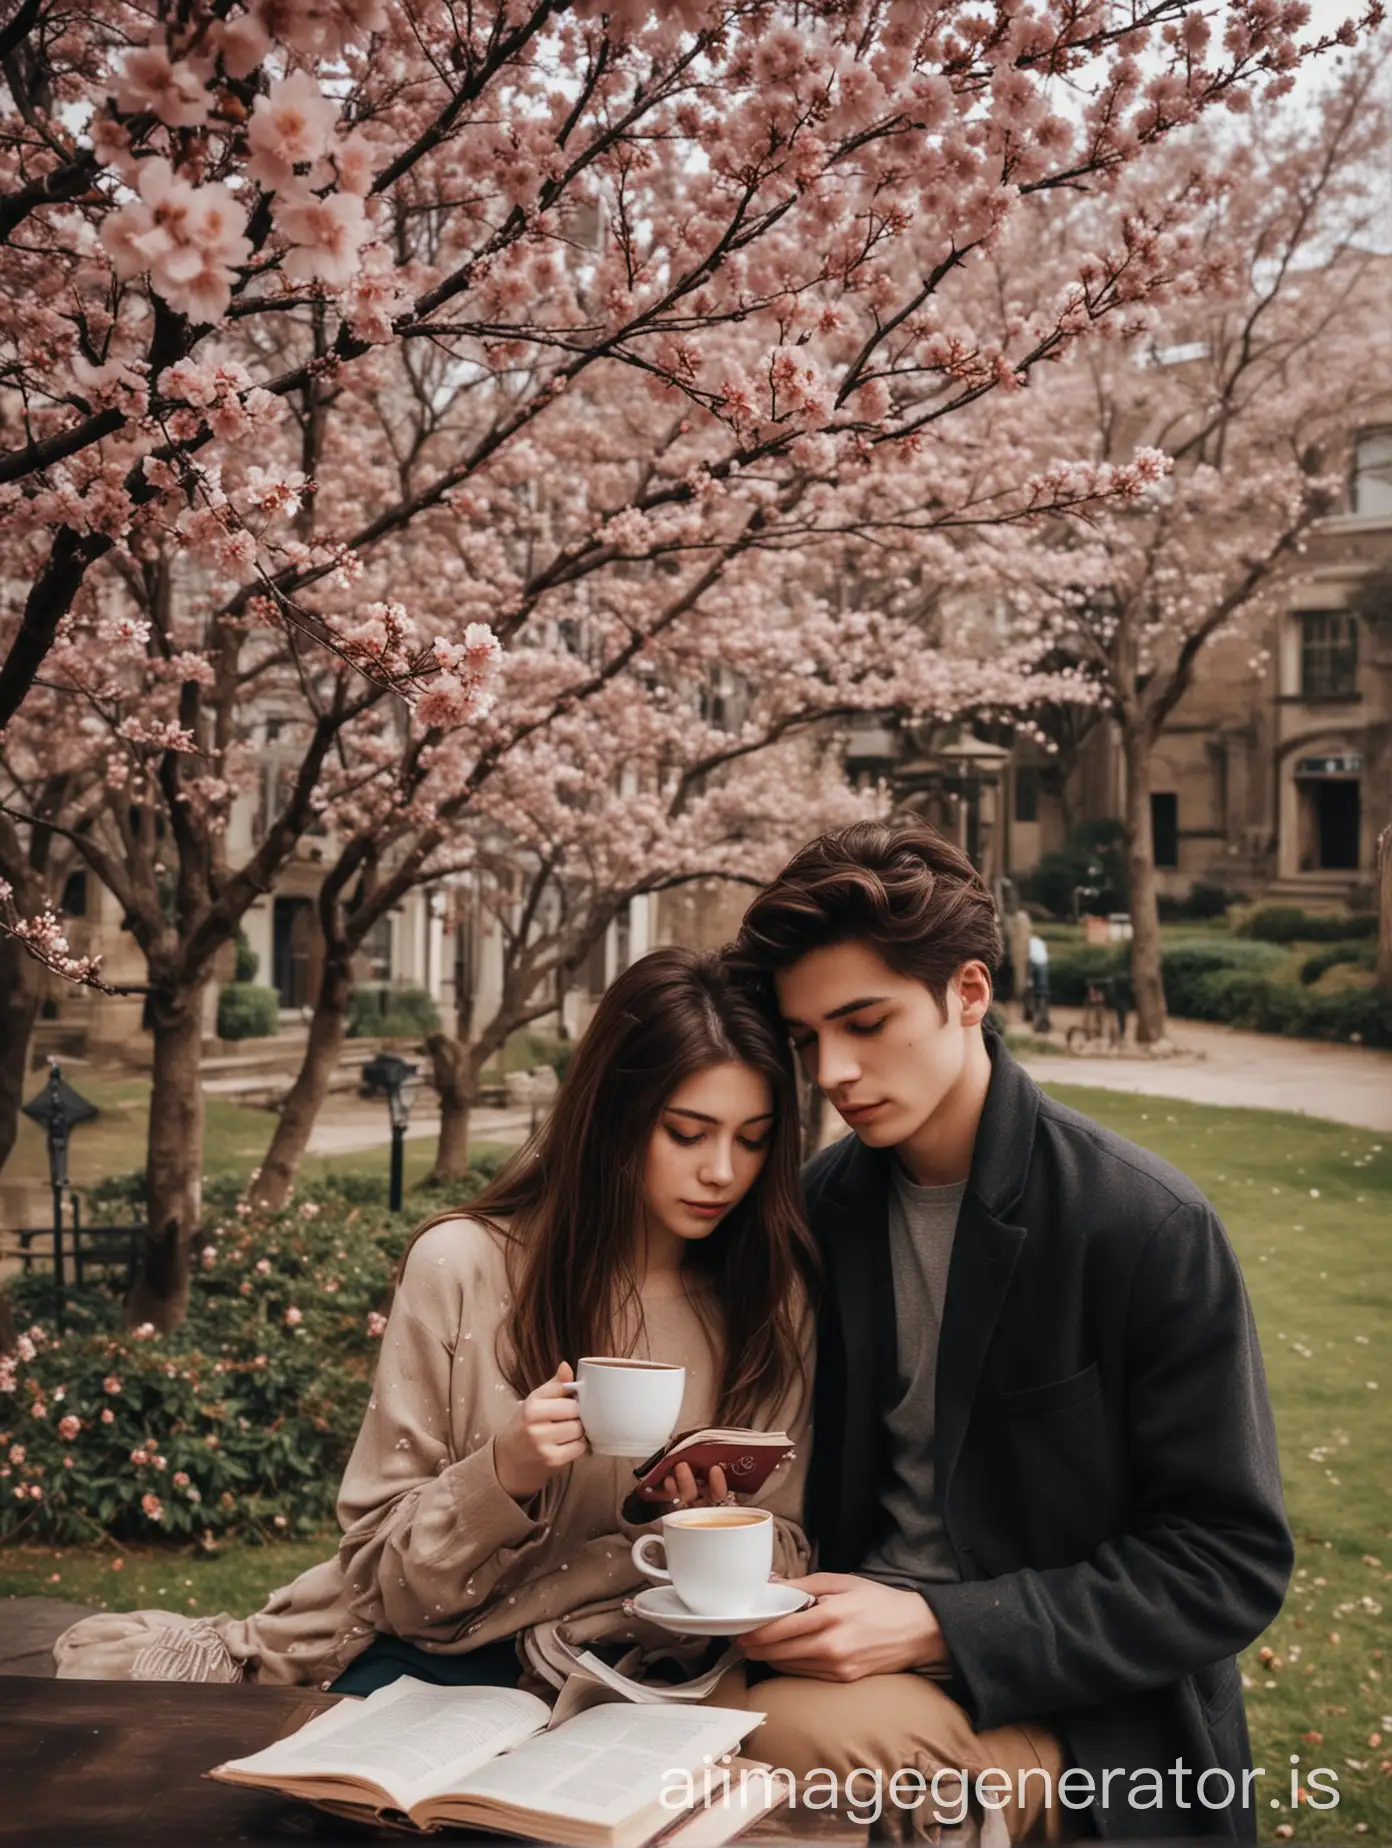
(1273, 777)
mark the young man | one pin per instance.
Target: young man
(1044, 1480)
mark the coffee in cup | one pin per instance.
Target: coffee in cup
(719, 1560)
(629, 1408)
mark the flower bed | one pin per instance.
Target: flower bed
(238, 1423)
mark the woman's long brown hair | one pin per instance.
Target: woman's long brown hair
(570, 1202)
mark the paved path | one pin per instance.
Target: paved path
(1218, 1065)
(1222, 1065)
(346, 1123)
(29, 1627)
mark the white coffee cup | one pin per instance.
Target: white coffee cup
(629, 1408)
(719, 1560)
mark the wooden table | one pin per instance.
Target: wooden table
(119, 1764)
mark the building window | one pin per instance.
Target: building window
(74, 900)
(1328, 654)
(1164, 827)
(1026, 792)
(1370, 490)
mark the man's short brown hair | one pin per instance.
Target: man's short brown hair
(898, 886)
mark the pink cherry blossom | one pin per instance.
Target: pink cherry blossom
(290, 127)
(325, 234)
(190, 238)
(243, 43)
(174, 90)
(679, 400)
(355, 162)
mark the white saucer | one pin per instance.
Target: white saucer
(662, 1605)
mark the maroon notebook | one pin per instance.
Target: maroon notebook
(748, 1458)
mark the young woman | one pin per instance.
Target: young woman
(657, 1214)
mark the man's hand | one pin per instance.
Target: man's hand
(856, 1628)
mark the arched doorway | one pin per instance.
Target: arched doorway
(1329, 810)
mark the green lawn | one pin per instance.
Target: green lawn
(1309, 1206)
(139, 1578)
(236, 1138)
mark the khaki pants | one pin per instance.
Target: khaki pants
(892, 1723)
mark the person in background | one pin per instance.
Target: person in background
(1039, 983)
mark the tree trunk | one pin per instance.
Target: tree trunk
(456, 1079)
(19, 1007)
(1147, 981)
(1384, 949)
(174, 1159)
(300, 1111)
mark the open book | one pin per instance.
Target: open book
(613, 1776)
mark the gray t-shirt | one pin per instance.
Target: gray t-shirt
(922, 1226)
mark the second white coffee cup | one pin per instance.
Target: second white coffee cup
(719, 1560)
(629, 1408)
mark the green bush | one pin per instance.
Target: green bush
(1187, 964)
(248, 962)
(1099, 845)
(381, 1011)
(239, 1423)
(1206, 900)
(247, 1012)
(1202, 903)
(528, 1049)
(1357, 955)
(1290, 924)
(1071, 969)
(1244, 998)
(1234, 981)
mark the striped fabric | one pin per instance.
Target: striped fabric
(197, 1653)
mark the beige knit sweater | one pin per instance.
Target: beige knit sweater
(434, 1549)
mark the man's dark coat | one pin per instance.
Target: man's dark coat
(1105, 1458)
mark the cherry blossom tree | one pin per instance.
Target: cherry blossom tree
(348, 342)
(1254, 391)
(560, 858)
(636, 787)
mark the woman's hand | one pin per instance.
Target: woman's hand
(682, 1487)
(545, 1434)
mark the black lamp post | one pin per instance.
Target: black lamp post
(59, 1108)
(387, 1073)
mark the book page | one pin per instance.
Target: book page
(733, 1808)
(410, 1739)
(609, 1762)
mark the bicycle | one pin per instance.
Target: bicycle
(1099, 1022)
